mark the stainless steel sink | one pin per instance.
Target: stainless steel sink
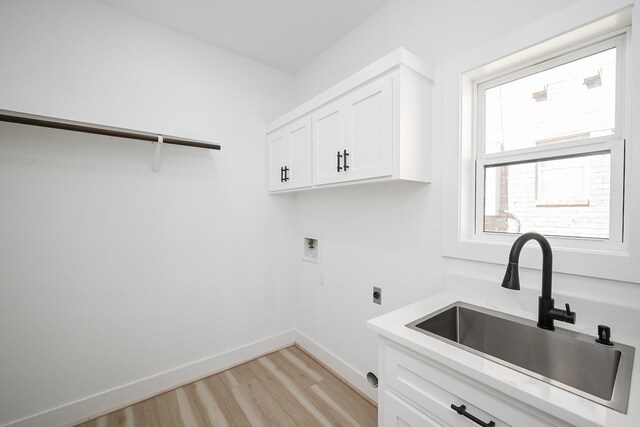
(566, 359)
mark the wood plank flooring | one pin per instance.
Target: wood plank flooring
(285, 388)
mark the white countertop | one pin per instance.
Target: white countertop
(538, 394)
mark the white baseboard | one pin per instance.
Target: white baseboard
(348, 373)
(143, 389)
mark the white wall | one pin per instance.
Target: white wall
(110, 274)
(390, 235)
(432, 29)
(369, 235)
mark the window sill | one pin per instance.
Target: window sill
(605, 264)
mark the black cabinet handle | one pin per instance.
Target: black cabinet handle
(345, 160)
(286, 173)
(339, 157)
(462, 410)
(281, 174)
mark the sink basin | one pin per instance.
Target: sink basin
(566, 359)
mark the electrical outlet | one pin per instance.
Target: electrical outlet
(377, 295)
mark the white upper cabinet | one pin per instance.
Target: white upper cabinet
(290, 156)
(353, 138)
(373, 126)
(328, 134)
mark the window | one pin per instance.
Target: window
(497, 103)
(549, 146)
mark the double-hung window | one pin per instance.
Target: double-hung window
(550, 146)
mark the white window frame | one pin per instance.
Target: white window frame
(610, 143)
(575, 25)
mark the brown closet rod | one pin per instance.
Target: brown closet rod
(50, 122)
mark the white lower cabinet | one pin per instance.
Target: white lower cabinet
(399, 413)
(416, 392)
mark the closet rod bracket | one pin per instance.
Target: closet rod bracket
(157, 147)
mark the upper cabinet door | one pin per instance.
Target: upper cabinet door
(328, 144)
(369, 130)
(353, 137)
(299, 135)
(278, 158)
(290, 156)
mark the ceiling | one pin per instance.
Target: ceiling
(284, 34)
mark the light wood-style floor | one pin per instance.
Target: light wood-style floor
(285, 388)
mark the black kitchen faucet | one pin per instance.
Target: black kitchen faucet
(546, 311)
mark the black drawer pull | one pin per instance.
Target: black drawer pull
(339, 157)
(462, 410)
(281, 174)
(345, 160)
(286, 173)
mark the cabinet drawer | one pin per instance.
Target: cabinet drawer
(398, 413)
(435, 391)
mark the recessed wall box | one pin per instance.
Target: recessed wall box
(311, 249)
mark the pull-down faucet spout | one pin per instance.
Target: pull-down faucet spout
(546, 311)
